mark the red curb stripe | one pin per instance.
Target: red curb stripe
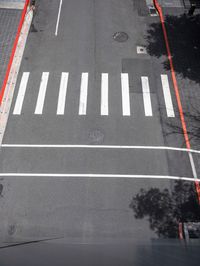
(13, 50)
(176, 88)
(180, 231)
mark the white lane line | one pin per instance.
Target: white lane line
(128, 176)
(167, 96)
(104, 94)
(71, 146)
(21, 93)
(146, 96)
(42, 93)
(83, 94)
(125, 95)
(62, 93)
(58, 17)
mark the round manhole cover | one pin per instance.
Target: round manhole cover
(120, 36)
(96, 137)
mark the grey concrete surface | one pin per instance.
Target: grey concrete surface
(9, 20)
(89, 210)
(171, 3)
(12, 4)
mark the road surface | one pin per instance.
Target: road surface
(89, 127)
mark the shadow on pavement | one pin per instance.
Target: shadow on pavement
(184, 38)
(165, 209)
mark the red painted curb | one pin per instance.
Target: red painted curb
(13, 50)
(180, 231)
(176, 88)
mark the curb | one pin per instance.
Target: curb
(176, 89)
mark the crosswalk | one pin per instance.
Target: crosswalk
(125, 94)
(62, 94)
(104, 90)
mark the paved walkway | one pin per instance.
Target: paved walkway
(9, 21)
(13, 4)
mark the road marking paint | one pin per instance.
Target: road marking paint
(125, 95)
(83, 94)
(146, 96)
(167, 96)
(42, 93)
(21, 93)
(128, 176)
(62, 93)
(194, 172)
(58, 17)
(98, 147)
(104, 94)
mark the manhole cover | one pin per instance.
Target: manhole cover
(96, 137)
(120, 36)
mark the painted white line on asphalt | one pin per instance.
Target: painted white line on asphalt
(146, 96)
(104, 94)
(125, 95)
(58, 17)
(71, 146)
(42, 93)
(21, 93)
(167, 96)
(83, 94)
(194, 172)
(128, 176)
(62, 94)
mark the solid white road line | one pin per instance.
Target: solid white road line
(146, 96)
(167, 96)
(128, 176)
(58, 17)
(98, 147)
(21, 93)
(42, 93)
(125, 95)
(83, 94)
(104, 94)
(62, 94)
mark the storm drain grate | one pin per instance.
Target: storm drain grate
(141, 50)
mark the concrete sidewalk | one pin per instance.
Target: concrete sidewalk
(12, 4)
(9, 21)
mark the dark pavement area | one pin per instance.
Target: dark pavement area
(184, 41)
(93, 220)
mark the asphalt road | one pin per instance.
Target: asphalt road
(57, 188)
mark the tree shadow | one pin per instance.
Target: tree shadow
(192, 119)
(184, 40)
(165, 209)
